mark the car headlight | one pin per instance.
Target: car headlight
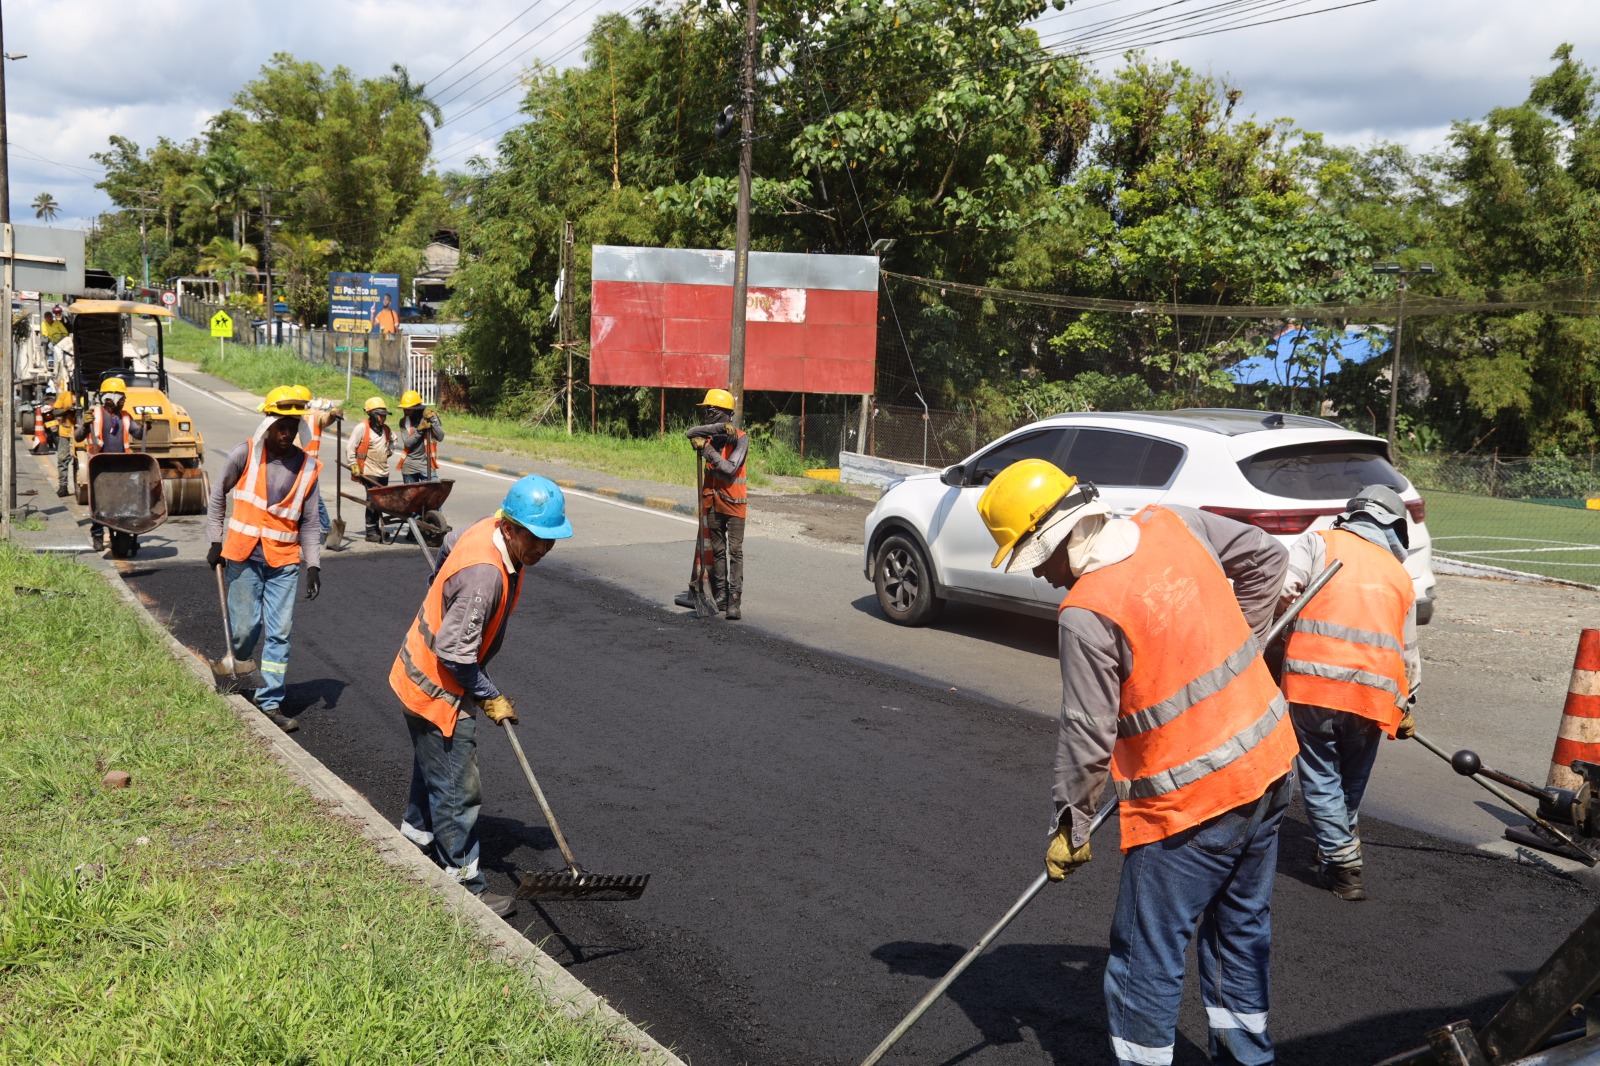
(185, 427)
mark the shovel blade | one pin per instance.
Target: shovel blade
(233, 676)
(595, 888)
(335, 538)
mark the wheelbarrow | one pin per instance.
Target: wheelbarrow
(125, 496)
(413, 505)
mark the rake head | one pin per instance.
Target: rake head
(567, 885)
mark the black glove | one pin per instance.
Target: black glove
(214, 554)
(313, 582)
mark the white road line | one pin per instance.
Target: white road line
(625, 505)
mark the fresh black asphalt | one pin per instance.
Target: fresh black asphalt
(825, 839)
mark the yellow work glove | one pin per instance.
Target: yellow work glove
(499, 710)
(1407, 727)
(697, 443)
(355, 469)
(1063, 858)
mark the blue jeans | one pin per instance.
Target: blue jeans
(1337, 752)
(409, 477)
(1217, 875)
(442, 811)
(261, 598)
(322, 514)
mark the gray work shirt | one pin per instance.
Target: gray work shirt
(281, 474)
(1096, 658)
(727, 468)
(113, 431)
(414, 440)
(471, 597)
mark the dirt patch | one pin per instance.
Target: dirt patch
(831, 518)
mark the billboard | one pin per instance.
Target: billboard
(663, 317)
(364, 303)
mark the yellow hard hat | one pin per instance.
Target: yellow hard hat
(62, 401)
(286, 400)
(721, 399)
(375, 403)
(412, 398)
(1018, 497)
(113, 385)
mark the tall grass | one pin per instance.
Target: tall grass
(211, 912)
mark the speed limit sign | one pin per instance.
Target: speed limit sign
(169, 298)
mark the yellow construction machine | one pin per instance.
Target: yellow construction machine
(102, 346)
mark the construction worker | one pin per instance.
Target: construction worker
(723, 500)
(108, 429)
(65, 414)
(440, 673)
(369, 453)
(1165, 690)
(318, 414)
(272, 533)
(420, 434)
(1350, 667)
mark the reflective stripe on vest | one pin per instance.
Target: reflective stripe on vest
(421, 680)
(275, 526)
(727, 497)
(364, 439)
(97, 430)
(1201, 729)
(1345, 651)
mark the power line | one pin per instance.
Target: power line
(485, 41)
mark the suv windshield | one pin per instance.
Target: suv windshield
(1333, 471)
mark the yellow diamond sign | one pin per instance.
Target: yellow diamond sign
(221, 325)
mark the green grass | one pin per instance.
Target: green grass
(211, 912)
(1554, 541)
(652, 458)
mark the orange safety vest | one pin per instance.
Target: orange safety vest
(275, 526)
(424, 684)
(363, 439)
(1345, 651)
(1201, 728)
(726, 497)
(429, 446)
(97, 430)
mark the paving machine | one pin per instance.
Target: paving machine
(101, 346)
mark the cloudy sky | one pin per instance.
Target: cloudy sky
(1392, 69)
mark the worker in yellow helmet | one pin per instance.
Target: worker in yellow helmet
(420, 434)
(65, 412)
(368, 454)
(271, 535)
(108, 429)
(723, 448)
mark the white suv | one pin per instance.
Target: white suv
(925, 543)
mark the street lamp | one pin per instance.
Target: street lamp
(1399, 325)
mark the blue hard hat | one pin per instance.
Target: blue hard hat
(536, 504)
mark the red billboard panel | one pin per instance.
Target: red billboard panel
(663, 317)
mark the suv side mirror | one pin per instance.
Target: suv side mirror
(954, 476)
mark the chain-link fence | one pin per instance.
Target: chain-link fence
(929, 437)
(378, 357)
(1562, 479)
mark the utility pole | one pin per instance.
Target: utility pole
(565, 310)
(741, 249)
(266, 262)
(1399, 327)
(8, 372)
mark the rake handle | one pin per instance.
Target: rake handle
(538, 794)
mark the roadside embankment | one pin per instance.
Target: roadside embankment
(209, 909)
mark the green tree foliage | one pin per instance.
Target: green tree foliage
(228, 261)
(46, 207)
(301, 264)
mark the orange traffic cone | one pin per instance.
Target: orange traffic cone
(1579, 735)
(41, 440)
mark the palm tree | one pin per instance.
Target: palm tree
(416, 96)
(301, 260)
(45, 207)
(227, 261)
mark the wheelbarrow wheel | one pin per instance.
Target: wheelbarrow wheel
(433, 527)
(83, 494)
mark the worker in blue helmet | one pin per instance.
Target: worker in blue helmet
(441, 673)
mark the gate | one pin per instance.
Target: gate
(420, 374)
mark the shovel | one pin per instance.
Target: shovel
(887, 1044)
(573, 883)
(335, 538)
(705, 606)
(232, 675)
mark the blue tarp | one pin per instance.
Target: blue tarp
(1290, 358)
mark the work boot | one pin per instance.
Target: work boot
(685, 599)
(98, 542)
(734, 614)
(1343, 881)
(374, 537)
(500, 906)
(281, 720)
(62, 490)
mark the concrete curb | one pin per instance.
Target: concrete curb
(658, 503)
(569, 995)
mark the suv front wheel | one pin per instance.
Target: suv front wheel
(904, 582)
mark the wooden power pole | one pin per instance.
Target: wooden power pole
(741, 249)
(565, 310)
